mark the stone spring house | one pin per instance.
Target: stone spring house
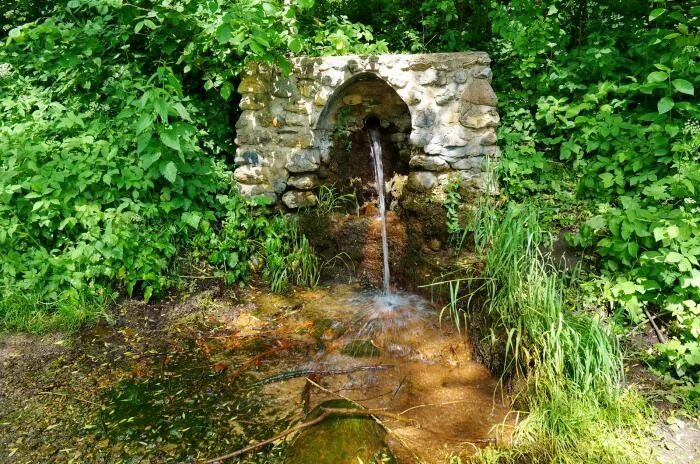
(437, 110)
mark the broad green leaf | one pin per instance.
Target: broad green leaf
(223, 34)
(149, 158)
(170, 172)
(295, 45)
(226, 90)
(683, 86)
(144, 122)
(15, 32)
(170, 139)
(665, 105)
(657, 76)
(182, 111)
(162, 107)
(656, 13)
(192, 219)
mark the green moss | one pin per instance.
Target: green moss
(338, 439)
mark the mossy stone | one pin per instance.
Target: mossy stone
(338, 439)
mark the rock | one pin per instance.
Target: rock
(294, 199)
(299, 107)
(461, 76)
(304, 181)
(420, 137)
(488, 137)
(474, 163)
(247, 157)
(304, 140)
(253, 84)
(279, 185)
(338, 439)
(248, 103)
(249, 174)
(321, 98)
(304, 161)
(282, 87)
(428, 77)
(430, 163)
(482, 73)
(478, 116)
(421, 181)
(424, 118)
(479, 92)
(252, 190)
(444, 98)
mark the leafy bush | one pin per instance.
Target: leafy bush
(114, 136)
(601, 98)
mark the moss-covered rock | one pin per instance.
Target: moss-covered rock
(338, 439)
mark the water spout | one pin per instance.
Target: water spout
(372, 124)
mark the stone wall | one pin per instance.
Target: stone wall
(284, 134)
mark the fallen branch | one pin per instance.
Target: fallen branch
(324, 415)
(318, 373)
(659, 335)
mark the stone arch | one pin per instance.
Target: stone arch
(343, 141)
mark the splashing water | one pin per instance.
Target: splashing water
(376, 153)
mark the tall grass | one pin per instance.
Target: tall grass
(565, 362)
(27, 312)
(290, 259)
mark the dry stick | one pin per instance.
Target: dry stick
(659, 335)
(324, 415)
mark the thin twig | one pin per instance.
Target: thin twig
(659, 335)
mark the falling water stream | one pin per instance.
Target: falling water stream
(376, 153)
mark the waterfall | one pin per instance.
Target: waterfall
(376, 153)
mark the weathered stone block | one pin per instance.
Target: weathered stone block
(251, 190)
(302, 140)
(283, 87)
(304, 181)
(429, 163)
(478, 116)
(479, 92)
(304, 161)
(253, 84)
(249, 174)
(294, 199)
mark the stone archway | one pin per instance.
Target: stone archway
(283, 132)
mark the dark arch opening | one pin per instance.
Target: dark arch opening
(372, 121)
(364, 101)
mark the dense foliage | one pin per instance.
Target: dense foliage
(115, 138)
(116, 142)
